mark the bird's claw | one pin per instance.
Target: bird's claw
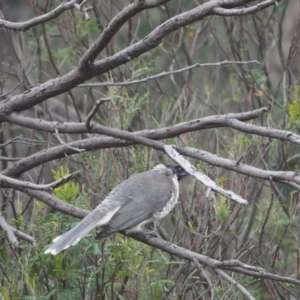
(150, 233)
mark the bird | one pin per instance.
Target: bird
(140, 199)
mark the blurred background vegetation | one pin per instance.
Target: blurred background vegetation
(265, 234)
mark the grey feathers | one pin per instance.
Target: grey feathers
(137, 200)
(96, 218)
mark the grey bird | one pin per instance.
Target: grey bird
(140, 199)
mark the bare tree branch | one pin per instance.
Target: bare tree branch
(10, 141)
(160, 133)
(93, 112)
(244, 11)
(235, 283)
(173, 249)
(4, 158)
(111, 29)
(9, 232)
(229, 164)
(201, 269)
(22, 26)
(126, 83)
(56, 203)
(15, 183)
(66, 144)
(22, 235)
(264, 131)
(199, 225)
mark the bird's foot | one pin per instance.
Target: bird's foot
(150, 233)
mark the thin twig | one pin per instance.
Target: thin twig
(63, 143)
(93, 112)
(6, 181)
(4, 158)
(22, 235)
(22, 26)
(10, 141)
(197, 65)
(9, 233)
(244, 11)
(235, 283)
(19, 84)
(211, 287)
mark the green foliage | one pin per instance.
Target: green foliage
(224, 210)
(257, 76)
(68, 191)
(293, 110)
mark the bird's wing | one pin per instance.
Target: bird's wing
(145, 195)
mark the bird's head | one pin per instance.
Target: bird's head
(178, 171)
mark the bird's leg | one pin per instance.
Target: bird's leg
(149, 233)
(146, 233)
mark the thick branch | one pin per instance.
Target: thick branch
(264, 131)
(56, 203)
(156, 134)
(216, 160)
(173, 249)
(233, 120)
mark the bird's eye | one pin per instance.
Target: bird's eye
(179, 169)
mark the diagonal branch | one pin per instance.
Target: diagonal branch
(235, 283)
(55, 203)
(94, 111)
(65, 144)
(175, 250)
(112, 28)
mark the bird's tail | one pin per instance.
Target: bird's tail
(73, 236)
(70, 237)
